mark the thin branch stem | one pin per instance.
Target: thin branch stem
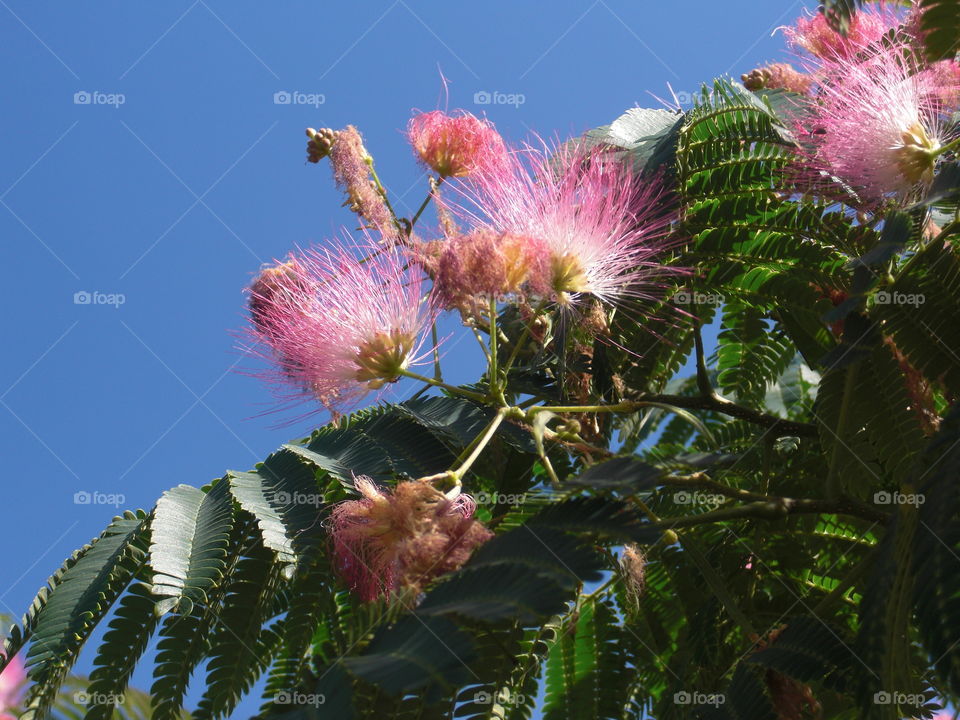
(478, 397)
(703, 378)
(780, 508)
(435, 183)
(437, 373)
(715, 404)
(471, 452)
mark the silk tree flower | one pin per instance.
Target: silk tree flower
(401, 539)
(338, 326)
(876, 126)
(600, 230)
(454, 145)
(12, 680)
(474, 268)
(813, 34)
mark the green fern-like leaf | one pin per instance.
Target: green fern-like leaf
(189, 534)
(84, 594)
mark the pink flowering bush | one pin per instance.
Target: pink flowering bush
(707, 467)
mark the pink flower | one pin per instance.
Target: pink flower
(876, 126)
(12, 680)
(599, 228)
(814, 34)
(454, 145)
(338, 326)
(483, 265)
(401, 539)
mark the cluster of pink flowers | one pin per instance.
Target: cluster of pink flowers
(550, 226)
(337, 322)
(401, 539)
(589, 225)
(813, 34)
(876, 121)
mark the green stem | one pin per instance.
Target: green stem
(481, 343)
(947, 148)
(521, 341)
(495, 389)
(478, 397)
(382, 190)
(453, 478)
(619, 407)
(437, 374)
(778, 508)
(434, 184)
(715, 404)
(602, 589)
(480, 442)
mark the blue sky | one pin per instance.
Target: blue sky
(144, 156)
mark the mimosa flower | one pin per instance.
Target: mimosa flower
(877, 126)
(454, 145)
(599, 227)
(339, 326)
(813, 33)
(486, 265)
(401, 539)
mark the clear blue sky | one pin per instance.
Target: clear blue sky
(174, 197)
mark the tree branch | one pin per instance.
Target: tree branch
(716, 403)
(778, 509)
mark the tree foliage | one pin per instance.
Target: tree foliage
(785, 569)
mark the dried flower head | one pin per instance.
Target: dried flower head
(598, 229)
(454, 145)
(484, 265)
(633, 563)
(337, 325)
(402, 539)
